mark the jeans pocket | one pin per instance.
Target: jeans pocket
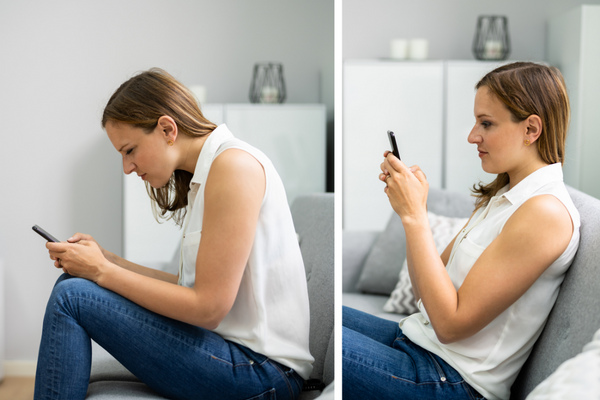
(438, 367)
(268, 395)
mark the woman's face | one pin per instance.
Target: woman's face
(499, 140)
(143, 153)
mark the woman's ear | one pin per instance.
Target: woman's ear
(168, 127)
(534, 127)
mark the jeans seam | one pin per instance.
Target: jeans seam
(285, 378)
(238, 364)
(387, 373)
(468, 389)
(438, 367)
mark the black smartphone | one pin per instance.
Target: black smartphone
(394, 144)
(45, 234)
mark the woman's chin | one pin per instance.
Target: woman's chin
(490, 169)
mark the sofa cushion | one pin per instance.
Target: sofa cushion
(576, 378)
(120, 390)
(576, 314)
(355, 248)
(384, 262)
(382, 266)
(106, 368)
(314, 223)
(369, 303)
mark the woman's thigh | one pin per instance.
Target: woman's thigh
(175, 359)
(378, 329)
(401, 369)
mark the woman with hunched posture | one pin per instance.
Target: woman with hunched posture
(234, 323)
(484, 302)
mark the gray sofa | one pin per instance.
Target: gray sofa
(313, 219)
(571, 324)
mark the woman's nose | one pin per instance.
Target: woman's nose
(128, 167)
(473, 137)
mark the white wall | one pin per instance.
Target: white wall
(368, 26)
(62, 60)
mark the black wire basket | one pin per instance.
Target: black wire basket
(491, 38)
(267, 84)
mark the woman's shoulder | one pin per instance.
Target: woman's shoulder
(556, 192)
(236, 161)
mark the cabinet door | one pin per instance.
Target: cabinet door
(463, 165)
(405, 97)
(291, 135)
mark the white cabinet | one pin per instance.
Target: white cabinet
(404, 97)
(430, 107)
(573, 43)
(291, 135)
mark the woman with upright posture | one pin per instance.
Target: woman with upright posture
(234, 323)
(484, 302)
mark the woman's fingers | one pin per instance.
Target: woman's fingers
(79, 236)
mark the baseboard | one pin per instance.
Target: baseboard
(19, 368)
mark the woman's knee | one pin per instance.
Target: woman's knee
(66, 289)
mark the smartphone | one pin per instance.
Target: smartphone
(45, 234)
(394, 144)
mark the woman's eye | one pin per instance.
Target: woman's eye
(486, 124)
(129, 151)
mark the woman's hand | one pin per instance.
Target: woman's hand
(83, 236)
(83, 259)
(406, 188)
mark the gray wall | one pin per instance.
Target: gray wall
(368, 26)
(61, 61)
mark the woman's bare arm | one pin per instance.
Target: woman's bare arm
(444, 257)
(123, 263)
(234, 192)
(531, 240)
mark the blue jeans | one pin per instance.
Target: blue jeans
(175, 359)
(379, 362)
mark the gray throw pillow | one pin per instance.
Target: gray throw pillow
(382, 265)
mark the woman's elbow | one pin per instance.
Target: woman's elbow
(450, 334)
(446, 338)
(210, 318)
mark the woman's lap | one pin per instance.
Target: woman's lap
(175, 359)
(379, 362)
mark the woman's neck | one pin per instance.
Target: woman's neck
(524, 171)
(190, 151)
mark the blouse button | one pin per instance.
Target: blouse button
(426, 323)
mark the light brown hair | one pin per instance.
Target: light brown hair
(526, 89)
(140, 102)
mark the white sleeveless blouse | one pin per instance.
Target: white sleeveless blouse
(270, 314)
(491, 359)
